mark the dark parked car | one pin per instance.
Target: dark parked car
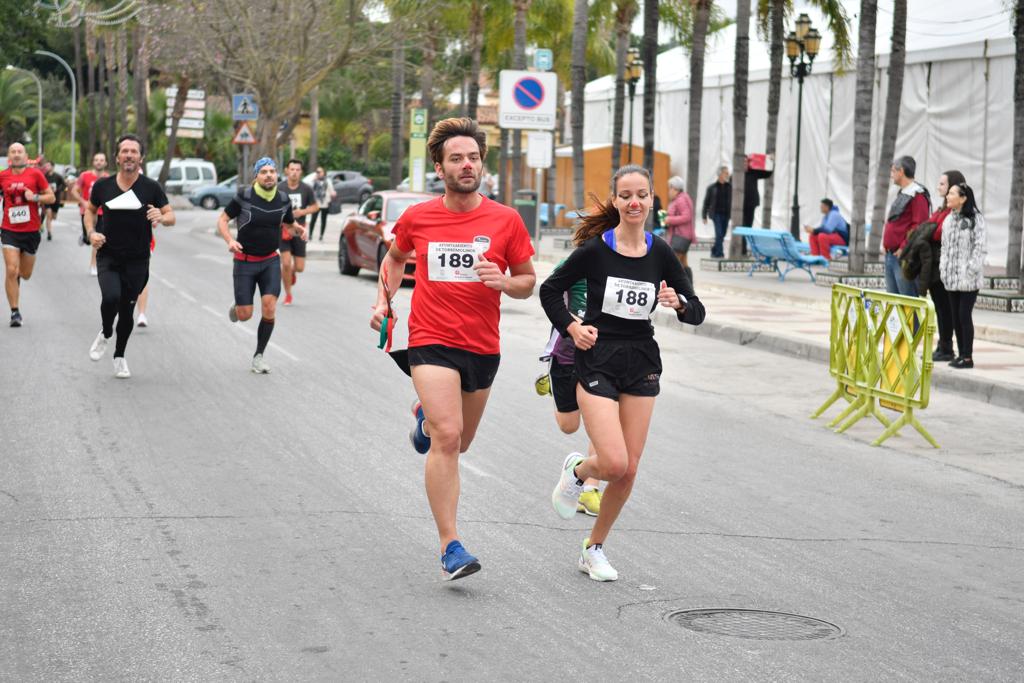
(215, 196)
(366, 234)
(351, 187)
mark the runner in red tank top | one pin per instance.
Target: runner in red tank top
(81, 191)
(469, 250)
(24, 189)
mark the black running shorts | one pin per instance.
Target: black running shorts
(610, 368)
(296, 245)
(248, 275)
(476, 370)
(563, 386)
(26, 242)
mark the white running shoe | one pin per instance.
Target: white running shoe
(142, 322)
(233, 314)
(259, 366)
(121, 370)
(595, 564)
(93, 271)
(99, 347)
(566, 495)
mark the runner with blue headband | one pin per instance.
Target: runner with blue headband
(260, 211)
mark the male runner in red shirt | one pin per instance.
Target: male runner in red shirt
(24, 189)
(464, 243)
(80, 192)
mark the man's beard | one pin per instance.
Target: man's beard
(451, 184)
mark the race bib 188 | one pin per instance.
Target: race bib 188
(629, 299)
(452, 261)
(18, 214)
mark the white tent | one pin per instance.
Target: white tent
(956, 113)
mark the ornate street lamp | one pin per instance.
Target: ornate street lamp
(804, 41)
(634, 70)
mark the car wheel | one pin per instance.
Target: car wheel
(363, 196)
(344, 261)
(209, 202)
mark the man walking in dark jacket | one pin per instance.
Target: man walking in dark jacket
(718, 205)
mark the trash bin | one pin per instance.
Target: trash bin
(525, 202)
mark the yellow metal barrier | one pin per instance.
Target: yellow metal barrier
(880, 355)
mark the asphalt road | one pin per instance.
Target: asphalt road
(198, 522)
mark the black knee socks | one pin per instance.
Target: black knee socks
(263, 333)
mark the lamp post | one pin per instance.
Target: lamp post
(74, 99)
(804, 41)
(39, 121)
(634, 70)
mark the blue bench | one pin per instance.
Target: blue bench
(773, 246)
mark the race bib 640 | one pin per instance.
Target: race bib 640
(18, 214)
(629, 299)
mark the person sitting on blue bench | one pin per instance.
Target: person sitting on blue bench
(833, 231)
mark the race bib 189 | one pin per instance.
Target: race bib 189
(629, 299)
(452, 261)
(18, 214)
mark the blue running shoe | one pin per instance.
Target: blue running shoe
(420, 441)
(456, 563)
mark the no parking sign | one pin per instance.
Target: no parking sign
(527, 99)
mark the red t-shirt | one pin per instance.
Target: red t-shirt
(21, 215)
(450, 306)
(85, 183)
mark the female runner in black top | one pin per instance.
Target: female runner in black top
(628, 272)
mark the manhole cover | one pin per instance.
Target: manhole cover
(754, 624)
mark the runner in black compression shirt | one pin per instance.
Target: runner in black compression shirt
(260, 212)
(628, 272)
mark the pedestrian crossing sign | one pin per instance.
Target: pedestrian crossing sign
(244, 107)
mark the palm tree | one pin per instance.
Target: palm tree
(625, 12)
(1013, 251)
(649, 52)
(701, 19)
(771, 20)
(579, 82)
(397, 106)
(476, 40)
(893, 98)
(862, 130)
(739, 119)
(15, 105)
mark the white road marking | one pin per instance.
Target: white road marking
(210, 257)
(474, 469)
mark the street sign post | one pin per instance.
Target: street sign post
(244, 135)
(418, 150)
(543, 59)
(527, 100)
(192, 123)
(244, 107)
(538, 149)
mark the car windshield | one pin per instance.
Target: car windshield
(230, 182)
(397, 206)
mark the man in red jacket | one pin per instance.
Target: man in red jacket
(908, 210)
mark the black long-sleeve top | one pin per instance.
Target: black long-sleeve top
(622, 291)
